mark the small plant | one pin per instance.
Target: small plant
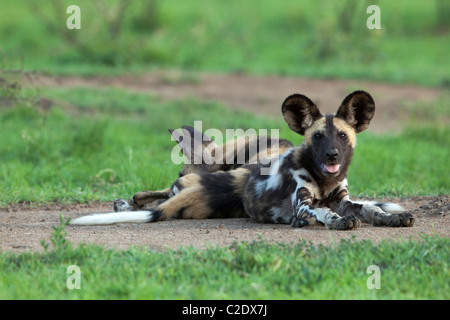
(58, 236)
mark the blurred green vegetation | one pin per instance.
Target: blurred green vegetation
(324, 38)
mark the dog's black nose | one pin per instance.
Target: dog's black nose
(332, 154)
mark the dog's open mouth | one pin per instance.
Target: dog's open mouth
(331, 168)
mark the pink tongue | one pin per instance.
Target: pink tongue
(332, 168)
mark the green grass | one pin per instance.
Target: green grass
(301, 38)
(257, 270)
(105, 144)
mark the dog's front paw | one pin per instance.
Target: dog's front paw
(401, 220)
(298, 223)
(121, 205)
(346, 223)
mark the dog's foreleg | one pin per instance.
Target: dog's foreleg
(304, 214)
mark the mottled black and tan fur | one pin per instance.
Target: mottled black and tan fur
(235, 153)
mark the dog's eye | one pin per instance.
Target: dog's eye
(318, 135)
(342, 135)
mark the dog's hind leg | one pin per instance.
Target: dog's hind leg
(214, 195)
(370, 212)
(186, 204)
(201, 196)
(144, 197)
(374, 214)
(140, 199)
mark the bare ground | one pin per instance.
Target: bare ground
(23, 227)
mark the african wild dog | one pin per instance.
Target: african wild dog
(234, 153)
(306, 185)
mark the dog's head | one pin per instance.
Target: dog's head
(329, 139)
(205, 156)
(192, 143)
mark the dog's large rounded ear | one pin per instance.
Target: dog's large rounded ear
(357, 109)
(299, 112)
(192, 143)
(198, 135)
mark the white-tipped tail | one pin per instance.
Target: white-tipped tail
(385, 206)
(114, 217)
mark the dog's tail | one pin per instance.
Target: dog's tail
(115, 217)
(385, 206)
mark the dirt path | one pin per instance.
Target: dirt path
(23, 228)
(262, 95)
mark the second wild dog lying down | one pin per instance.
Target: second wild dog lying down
(307, 184)
(192, 142)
